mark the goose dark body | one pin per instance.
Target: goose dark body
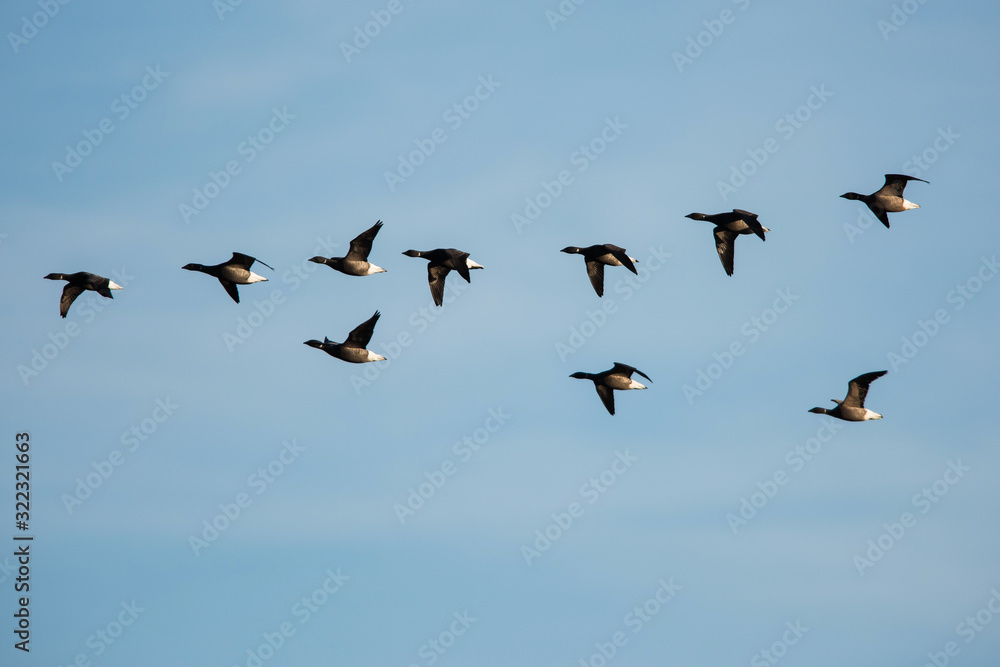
(355, 262)
(599, 256)
(78, 283)
(442, 261)
(852, 408)
(231, 273)
(888, 198)
(727, 227)
(618, 377)
(354, 348)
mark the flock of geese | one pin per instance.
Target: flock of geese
(442, 261)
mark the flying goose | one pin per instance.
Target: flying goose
(852, 408)
(618, 377)
(232, 273)
(355, 263)
(442, 261)
(597, 256)
(80, 282)
(352, 349)
(889, 198)
(727, 227)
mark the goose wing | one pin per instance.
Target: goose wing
(895, 183)
(880, 214)
(607, 397)
(230, 289)
(857, 389)
(626, 370)
(362, 243)
(241, 261)
(362, 333)
(595, 271)
(69, 294)
(725, 241)
(436, 273)
(103, 287)
(459, 261)
(751, 221)
(621, 256)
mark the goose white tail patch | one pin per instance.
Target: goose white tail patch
(374, 269)
(473, 265)
(113, 285)
(372, 356)
(907, 205)
(254, 278)
(635, 385)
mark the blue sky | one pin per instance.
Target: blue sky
(615, 123)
